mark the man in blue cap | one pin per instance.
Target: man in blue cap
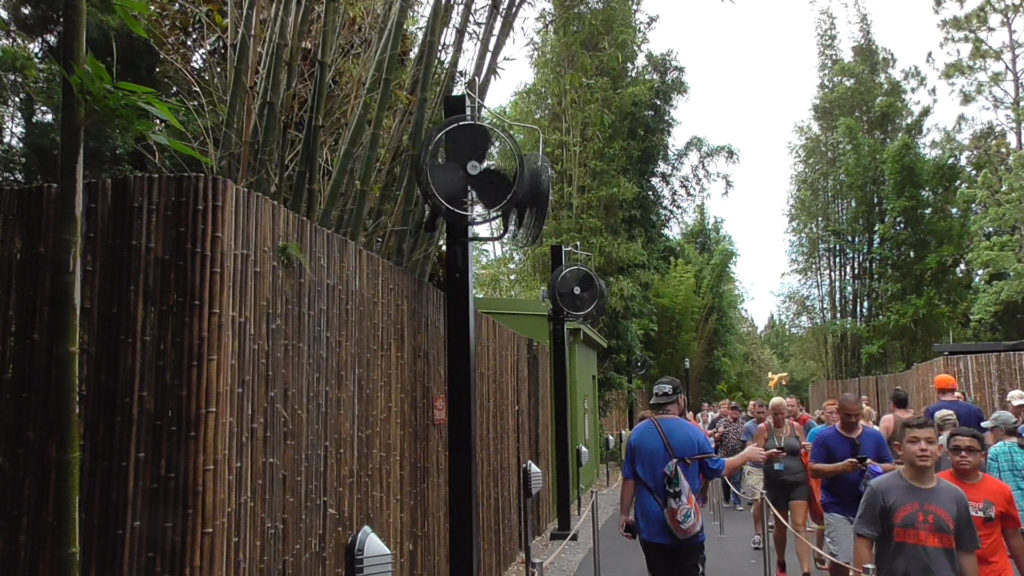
(644, 465)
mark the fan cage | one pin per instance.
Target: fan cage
(503, 155)
(560, 276)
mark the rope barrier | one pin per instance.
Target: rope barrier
(575, 529)
(789, 528)
(612, 487)
(582, 517)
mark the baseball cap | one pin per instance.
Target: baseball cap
(1015, 397)
(1000, 418)
(944, 382)
(945, 417)
(666, 390)
(735, 407)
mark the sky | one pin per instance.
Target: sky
(751, 68)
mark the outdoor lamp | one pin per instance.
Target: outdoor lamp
(609, 442)
(367, 555)
(533, 479)
(582, 455)
(623, 436)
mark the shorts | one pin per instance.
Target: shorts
(753, 482)
(665, 560)
(781, 493)
(839, 536)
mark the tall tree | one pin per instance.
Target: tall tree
(605, 106)
(867, 208)
(984, 44)
(985, 47)
(66, 293)
(996, 255)
(697, 305)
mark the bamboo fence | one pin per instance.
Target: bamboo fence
(984, 378)
(254, 389)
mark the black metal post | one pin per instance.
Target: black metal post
(631, 402)
(524, 482)
(463, 504)
(689, 403)
(579, 489)
(560, 383)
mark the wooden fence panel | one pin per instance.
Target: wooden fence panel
(984, 378)
(254, 389)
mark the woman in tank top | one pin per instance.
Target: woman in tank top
(785, 480)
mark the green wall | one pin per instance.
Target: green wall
(530, 318)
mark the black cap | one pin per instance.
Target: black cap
(666, 390)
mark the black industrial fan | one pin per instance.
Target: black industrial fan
(576, 292)
(641, 364)
(470, 170)
(524, 218)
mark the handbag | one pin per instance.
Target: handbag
(814, 510)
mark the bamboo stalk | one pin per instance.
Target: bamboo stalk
(343, 172)
(306, 186)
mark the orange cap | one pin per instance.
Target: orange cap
(944, 382)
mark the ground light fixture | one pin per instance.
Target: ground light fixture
(366, 555)
(533, 481)
(582, 457)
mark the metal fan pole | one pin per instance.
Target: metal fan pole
(463, 505)
(560, 382)
(631, 401)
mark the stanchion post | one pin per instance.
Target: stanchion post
(596, 523)
(766, 552)
(713, 502)
(723, 486)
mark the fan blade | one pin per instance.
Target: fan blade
(577, 290)
(449, 183)
(466, 142)
(492, 188)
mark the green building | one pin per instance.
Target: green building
(530, 319)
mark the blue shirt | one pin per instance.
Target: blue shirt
(841, 494)
(815, 431)
(645, 462)
(749, 433)
(967, 414)
(1006, 462)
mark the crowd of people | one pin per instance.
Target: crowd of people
(935, 489)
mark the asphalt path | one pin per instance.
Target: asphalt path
(726, 555)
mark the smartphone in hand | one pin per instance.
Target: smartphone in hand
(862, 459)
(630, 531)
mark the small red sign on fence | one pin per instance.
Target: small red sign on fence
(440, 409)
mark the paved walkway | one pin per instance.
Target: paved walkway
(727, 555)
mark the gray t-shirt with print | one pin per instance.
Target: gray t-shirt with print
(915, 527)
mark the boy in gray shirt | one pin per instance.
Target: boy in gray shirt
(912, 522)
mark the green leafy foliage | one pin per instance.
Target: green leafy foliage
(871, 208)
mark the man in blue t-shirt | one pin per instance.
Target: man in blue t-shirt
(644, 465)
(967, 414)
(841, 456)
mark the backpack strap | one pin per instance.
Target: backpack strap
(671, 453)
